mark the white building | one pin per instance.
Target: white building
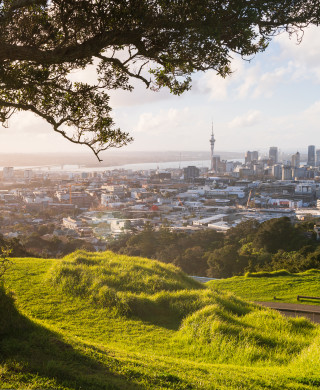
(71, 223)
(8, 173)
(28, 174)
(106, 199)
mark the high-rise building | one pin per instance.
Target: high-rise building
(295, 160)
(212, 141)
(311, 155)
(251, 156)
(286, 173)
(247, 157)
(273, 154)
(318, 157)
(255, 155)
(215, 163)
(277, 171)
(191, 172)
(8, 173)
(28, 174)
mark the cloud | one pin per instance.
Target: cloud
(247, 120)
(218, 87)
(283, 62)
(28, 133)
(26, 121)
(164, 121)
(313, 112)
(304, 58)
(267, 83)
(247, 82)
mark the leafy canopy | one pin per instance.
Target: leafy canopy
(159, 42)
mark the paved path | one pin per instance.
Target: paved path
(202, 279)
(312, 312)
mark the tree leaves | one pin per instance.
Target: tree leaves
(160, 43)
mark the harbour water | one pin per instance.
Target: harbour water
(134, 167)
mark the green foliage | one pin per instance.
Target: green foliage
(193, 261)
(54, 246)
(183, 250)
(224, 262)
(277, 233)
(4, 260)
(17, 249)
(172, 39)
(243, 232)
(272, 245)
(249, 247)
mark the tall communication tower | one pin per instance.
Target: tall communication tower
(212, 141)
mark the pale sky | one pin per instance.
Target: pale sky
(273, 100)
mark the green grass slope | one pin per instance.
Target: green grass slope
(265, 286)
(104, 321)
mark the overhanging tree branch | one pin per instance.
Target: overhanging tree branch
(42, 42)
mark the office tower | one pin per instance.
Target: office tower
(251, 156)
(295, 160)
(286, 173)
(273, 154)
(247, 157)
(311, 155)
(318, 157)
(191, 172)
(8, 173)
(215, 163)
(255, 155)
(277, 171)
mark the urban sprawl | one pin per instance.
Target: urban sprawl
(99, 206)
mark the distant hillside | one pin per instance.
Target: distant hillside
(106, 321)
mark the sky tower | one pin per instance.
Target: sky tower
(212, 141)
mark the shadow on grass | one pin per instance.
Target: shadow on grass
(167, 319)
(31, 353)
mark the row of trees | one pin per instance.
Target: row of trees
(35, 245)
(251, 246)
(271, 245)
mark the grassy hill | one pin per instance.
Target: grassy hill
(104, 321)
(265, 286)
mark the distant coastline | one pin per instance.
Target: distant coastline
(134, 167)
(111, 160)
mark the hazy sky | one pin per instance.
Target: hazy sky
(273, 100)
